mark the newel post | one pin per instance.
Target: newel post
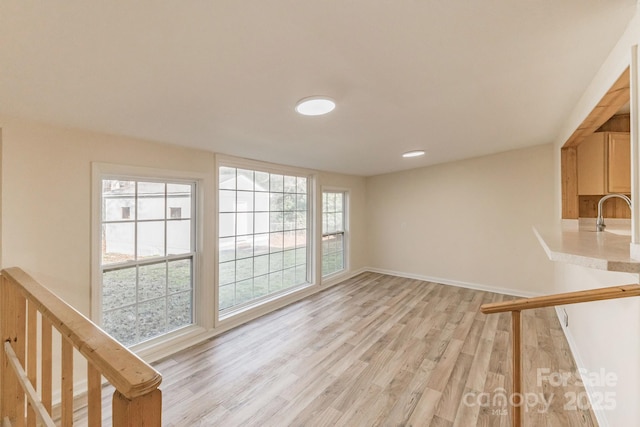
(516, 329)
(12, 312)
(145, 410)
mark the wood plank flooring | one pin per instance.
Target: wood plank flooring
(375, 350)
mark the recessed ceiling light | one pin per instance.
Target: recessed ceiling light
(315, 106)
(414, 153)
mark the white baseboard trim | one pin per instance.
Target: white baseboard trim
(599, 413)
(152, 352)
(458, 283)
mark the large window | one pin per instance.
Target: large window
(263, 240)
(148, 255)
(333, 232)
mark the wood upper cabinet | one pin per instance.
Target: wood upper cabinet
(604, 164)
(619, 173)
(591, 165)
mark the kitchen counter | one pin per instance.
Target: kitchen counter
(580, 244)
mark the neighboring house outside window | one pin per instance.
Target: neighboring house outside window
(147, 257)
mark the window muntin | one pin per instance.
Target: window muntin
(147, 257)
(262, 235)
(333, 232)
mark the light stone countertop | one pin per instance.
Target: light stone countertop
(580, 244)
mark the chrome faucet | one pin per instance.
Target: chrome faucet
(600, 221)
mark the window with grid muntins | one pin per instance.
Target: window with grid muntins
(333, 232)
(263, 240)
(147, 258)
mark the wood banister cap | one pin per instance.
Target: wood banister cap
(129, 374)
(614, 292)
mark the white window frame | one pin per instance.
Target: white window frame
(202, 320)
(335, 276)
(265, 304)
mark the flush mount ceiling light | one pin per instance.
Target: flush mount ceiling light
(414, 153)
(315, 106)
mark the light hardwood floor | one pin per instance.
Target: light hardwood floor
(375, 350)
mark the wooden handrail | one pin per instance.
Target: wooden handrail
(137, 400)
(518, 305)
(600, 294)
(129, 374)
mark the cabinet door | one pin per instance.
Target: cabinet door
(619, 163)
(591, 155)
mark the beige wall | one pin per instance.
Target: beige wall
(468, 222)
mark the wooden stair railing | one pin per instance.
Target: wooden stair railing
(25, 303)
(518, 305)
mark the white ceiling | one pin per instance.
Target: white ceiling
(456, 78)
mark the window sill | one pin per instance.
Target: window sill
(333, 278)
(170, 343)
(286, 297)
